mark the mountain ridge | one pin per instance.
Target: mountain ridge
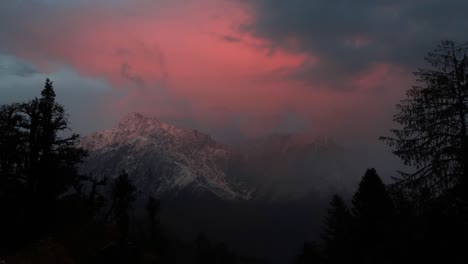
(167, 160)
(162, 158)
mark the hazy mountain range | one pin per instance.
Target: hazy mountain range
(165, 160)
(255, 193)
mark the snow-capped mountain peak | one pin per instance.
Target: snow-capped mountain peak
(162, 159)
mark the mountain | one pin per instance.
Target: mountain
(281, 184)
(162, 159)
(169, 161)
(277, 182)
(292, 166)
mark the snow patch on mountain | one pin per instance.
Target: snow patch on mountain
(162, 159)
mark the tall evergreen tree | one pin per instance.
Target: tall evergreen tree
(336, 231)
(52, 118)
(373, 213)
(52, 160)
(12, 190)
(37, 163)
(123, 195)
(152, 208)
(371, 200)
(12, 147)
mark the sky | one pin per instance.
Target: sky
(231, 68)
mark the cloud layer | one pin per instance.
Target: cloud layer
(232, 66)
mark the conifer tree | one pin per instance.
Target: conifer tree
(152, 208)
(52, 159)
(371, 200)
(12, 147)
(37, 163)
(336, 231)
(124, 195)
(372, 213)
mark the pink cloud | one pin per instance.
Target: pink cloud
(170, 59)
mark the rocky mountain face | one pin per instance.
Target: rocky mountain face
(166, 160)
(162, 159)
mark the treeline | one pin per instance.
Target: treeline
(37, 165)
(384, 225)
(50, 213)
(423, 216)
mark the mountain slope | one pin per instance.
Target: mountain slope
(162, 159)
(166, 160)
(290, 166)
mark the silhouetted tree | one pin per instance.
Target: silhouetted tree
(12, 189)
(12, 147)
(95, 198)
(336, 231)
(373, 213)
(52, 118)
(371, 200)
(87, 188)
(37, 162)
(57, 155)
(433, 137)
(152, 208)
(123, 197)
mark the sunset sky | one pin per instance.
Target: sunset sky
(231, 68)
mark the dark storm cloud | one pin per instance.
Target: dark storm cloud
(352, 36)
